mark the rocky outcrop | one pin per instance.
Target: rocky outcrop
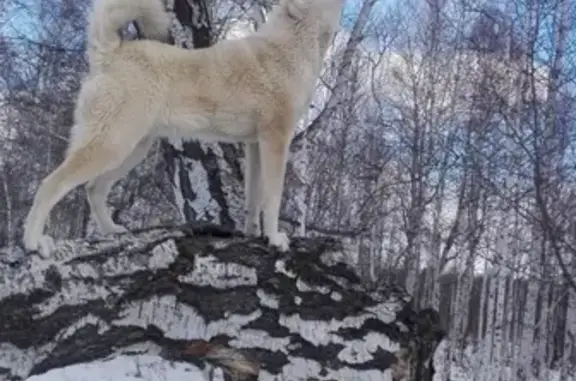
(211, 299)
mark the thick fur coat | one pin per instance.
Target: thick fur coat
(250, 90)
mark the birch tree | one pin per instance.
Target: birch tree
(206, 177)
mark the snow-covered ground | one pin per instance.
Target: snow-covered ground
(155, 368)
(142, 363)
(460, 374)
(129, 368)
(475, 371)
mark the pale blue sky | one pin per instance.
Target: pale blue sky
(24, 15)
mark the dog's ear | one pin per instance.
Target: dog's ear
(296, 9)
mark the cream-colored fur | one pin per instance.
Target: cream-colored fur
(250, 90)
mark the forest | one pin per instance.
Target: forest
(440, 147)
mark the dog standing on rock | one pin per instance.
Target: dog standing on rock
(250, 90)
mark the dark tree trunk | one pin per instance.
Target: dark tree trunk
(195, 15)
(206, 298)
(206, 177)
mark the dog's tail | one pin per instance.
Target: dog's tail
(108, 16)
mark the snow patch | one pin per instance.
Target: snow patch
(305, 287)
(126, 368)
(20, 361)
(320, 332)
(267, 300)
(385, 311)
(280, 266)
(210, 271)
(253, 338)
(360, 351)
(180, 321)
(164, 254)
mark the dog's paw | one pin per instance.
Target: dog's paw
(279, 240)
(44, 245)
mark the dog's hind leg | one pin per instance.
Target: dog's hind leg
(98, 188)
(252, 189)
(81, 165)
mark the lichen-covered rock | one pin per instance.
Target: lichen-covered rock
(211, 298)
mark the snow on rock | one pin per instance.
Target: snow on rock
(209, 301)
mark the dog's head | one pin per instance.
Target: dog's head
(320, 17)
(326, 12)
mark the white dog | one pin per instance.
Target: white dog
(250, 90)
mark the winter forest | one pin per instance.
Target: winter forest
(440, 147)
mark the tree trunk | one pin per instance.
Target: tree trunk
(488, 343)
(569, 349)
(206, 298)
(528, 329)
(500, 340)
(207, 177)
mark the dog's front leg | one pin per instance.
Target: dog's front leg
(273, 155)
(252, 190)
